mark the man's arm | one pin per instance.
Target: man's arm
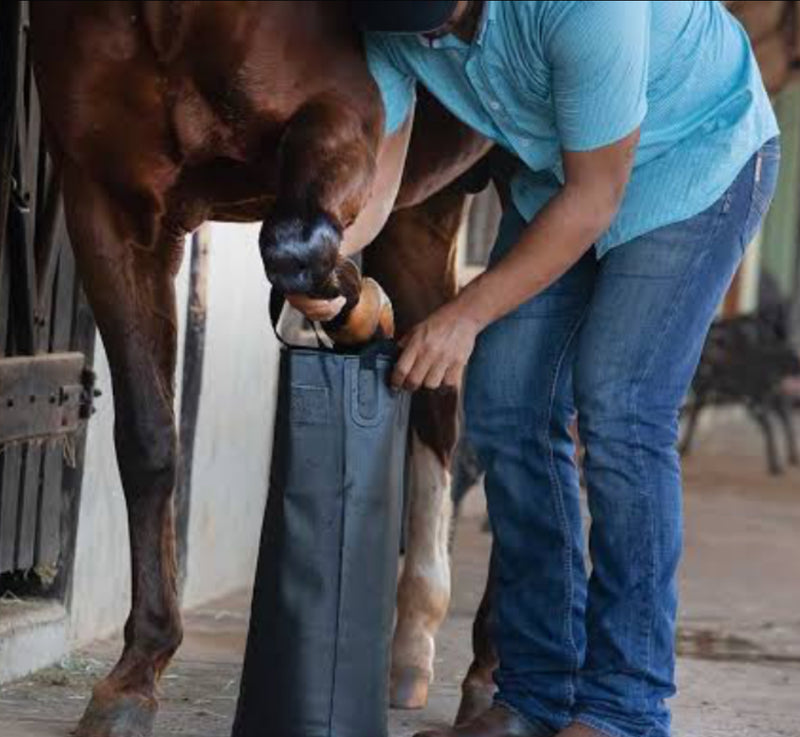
(565, 229)
(560, 234)
(389, 173)
(598, 53)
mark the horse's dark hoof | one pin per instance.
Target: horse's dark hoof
(476, 698)
(114, 714)
(409, 688)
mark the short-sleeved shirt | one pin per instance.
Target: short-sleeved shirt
(541, 77)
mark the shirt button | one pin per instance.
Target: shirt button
(494, 104)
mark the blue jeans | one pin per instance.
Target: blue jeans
(617, 341)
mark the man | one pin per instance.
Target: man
(650, 157)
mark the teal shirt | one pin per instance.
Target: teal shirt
(541, 77)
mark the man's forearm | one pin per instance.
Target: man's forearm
(561, 233)
(389, 174)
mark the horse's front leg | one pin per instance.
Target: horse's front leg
(131, 293)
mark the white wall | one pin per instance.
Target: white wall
(234, 435)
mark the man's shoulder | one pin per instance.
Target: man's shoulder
(391, 45)
(532, 21)
(550, 12)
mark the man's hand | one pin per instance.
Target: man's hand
(436, 351)
(316, 310)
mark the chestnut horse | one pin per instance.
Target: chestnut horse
(161, 115)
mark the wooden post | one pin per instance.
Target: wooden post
(193, 354)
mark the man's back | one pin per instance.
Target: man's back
(543, 76)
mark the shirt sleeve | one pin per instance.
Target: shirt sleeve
(396, 84)
(598, 52)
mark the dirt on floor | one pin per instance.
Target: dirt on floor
(739, 640)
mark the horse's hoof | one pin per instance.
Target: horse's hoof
(409, 688)
(114, 714)
(476, 698)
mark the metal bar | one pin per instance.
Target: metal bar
(49, 240)
(9, 23)
(10, 458)
(40, 543)
(64, 295)
(5, 301)
(193, 354)
(23, 208)
(48, 533)
(28, 510)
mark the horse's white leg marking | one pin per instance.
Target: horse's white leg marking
(424, 590)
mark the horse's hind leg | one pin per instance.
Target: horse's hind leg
(478, 687)
(423, 594)
(467, 473)
(413, 261)
(131, 292)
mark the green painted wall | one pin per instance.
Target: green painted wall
(780, 234)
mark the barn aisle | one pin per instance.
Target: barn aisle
(740, 633)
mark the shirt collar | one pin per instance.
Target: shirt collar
(488, 15)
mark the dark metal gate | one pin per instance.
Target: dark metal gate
(46, 340)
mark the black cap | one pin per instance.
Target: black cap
(403, 16)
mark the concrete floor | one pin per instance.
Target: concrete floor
(739, 642)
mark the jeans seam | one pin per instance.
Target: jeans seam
(602, 726)
(559, 494)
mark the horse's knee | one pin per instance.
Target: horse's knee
(145, 466)
(146, 444)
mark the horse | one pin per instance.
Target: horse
(162, 115)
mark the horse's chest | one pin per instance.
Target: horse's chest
(209, 129)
